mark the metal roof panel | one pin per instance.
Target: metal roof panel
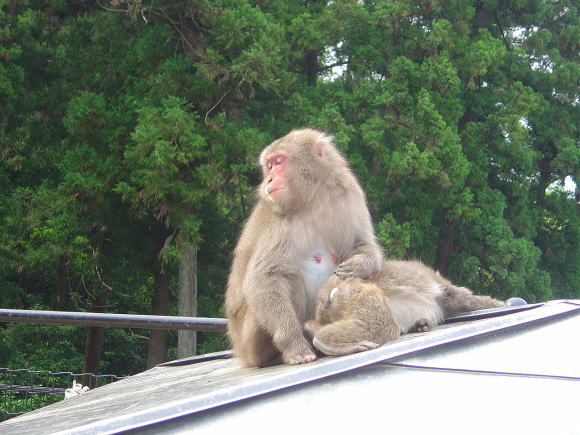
(164, 394)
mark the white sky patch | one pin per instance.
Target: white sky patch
(524, 123)
(568, 186)
(330, 58)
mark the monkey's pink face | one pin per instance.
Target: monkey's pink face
(275, 182)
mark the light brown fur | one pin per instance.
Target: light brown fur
(415, 298)
(353, 317)
(274, 278)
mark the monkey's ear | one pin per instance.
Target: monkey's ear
(332, 294)
(322, 144)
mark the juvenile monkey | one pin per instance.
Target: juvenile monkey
(353, 317)
(311, 220)
(416, 298)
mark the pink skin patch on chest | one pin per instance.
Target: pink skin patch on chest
(318, 258)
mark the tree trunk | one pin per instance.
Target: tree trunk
(157, 348)
(62, 272)
(186, 339)
(311, 66)
(93, 346)
(95, 335)
(444, 249)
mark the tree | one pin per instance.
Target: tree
(129, 132)
(436, 110)
(169, 176)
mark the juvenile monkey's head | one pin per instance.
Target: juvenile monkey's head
(299, 169)
(352, 315)
(339, 299)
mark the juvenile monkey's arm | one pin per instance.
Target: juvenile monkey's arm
(311, 327)
(344, 337)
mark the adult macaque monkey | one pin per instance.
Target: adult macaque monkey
(311, 220)
(353, 315)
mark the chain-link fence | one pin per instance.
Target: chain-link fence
(24, 390)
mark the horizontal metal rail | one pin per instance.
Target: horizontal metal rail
(113, 320)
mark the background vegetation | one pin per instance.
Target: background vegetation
(129, 132)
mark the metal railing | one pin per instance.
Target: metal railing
(23, 390)
(113, 320)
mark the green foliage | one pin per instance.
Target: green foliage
(559, 240)
(32, 346)
(396, 239)
(123, 133)
(167, 158)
